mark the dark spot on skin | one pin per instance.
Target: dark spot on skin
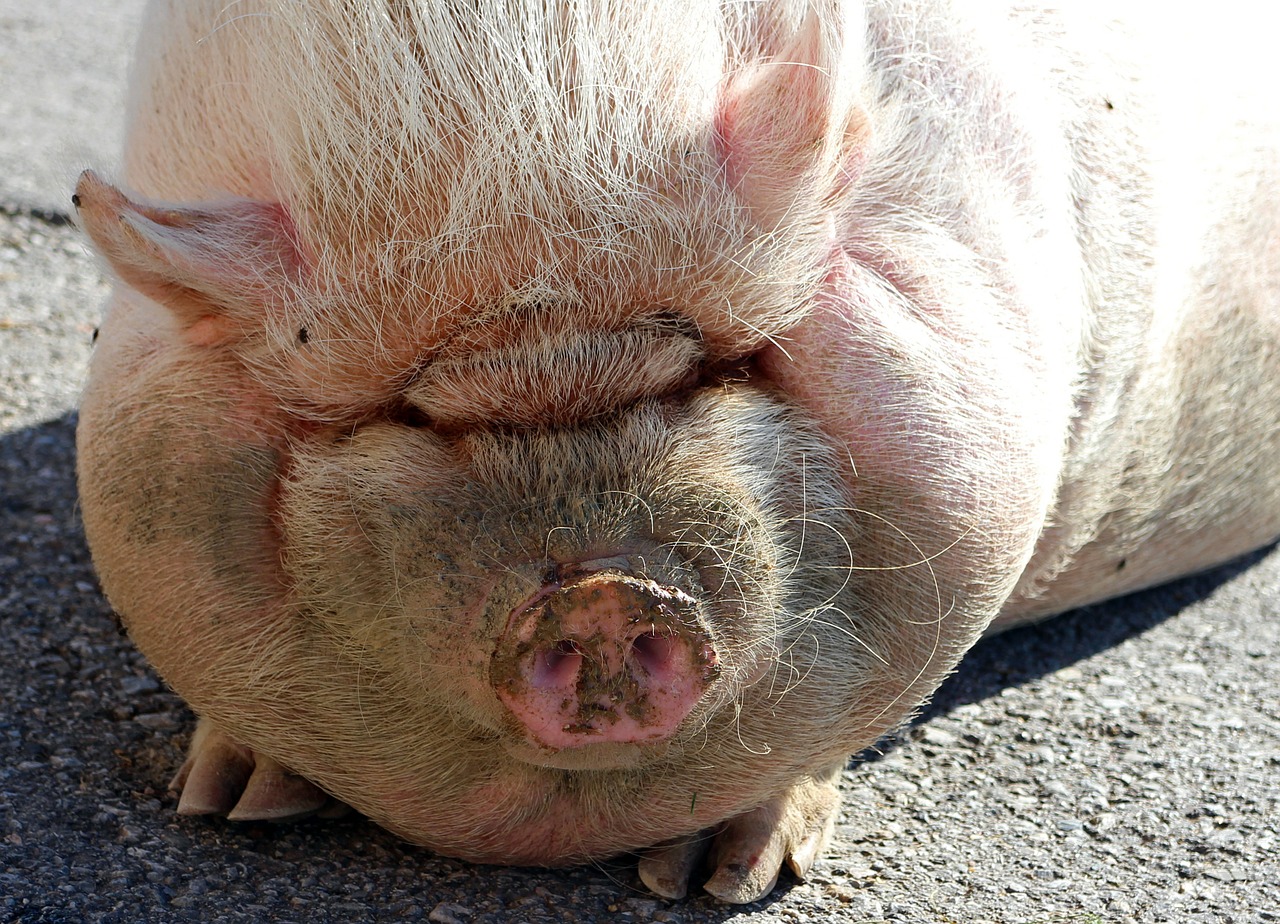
(1120, 564)
(75, 200)
(303, 336)
(409, 415)
(94, 338)
(1108, 104)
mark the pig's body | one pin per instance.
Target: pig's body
(588, 427)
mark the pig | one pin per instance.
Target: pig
(562, 429)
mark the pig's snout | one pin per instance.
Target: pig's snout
(606, 658)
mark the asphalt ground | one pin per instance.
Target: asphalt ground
(1117, 764)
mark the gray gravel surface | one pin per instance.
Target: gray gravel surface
(1118, 764)
(62, 64)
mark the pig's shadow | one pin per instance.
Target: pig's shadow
(1021, 655)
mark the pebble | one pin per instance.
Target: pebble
(158, 721)
(938, 737)
(137, 685)
(449, 913)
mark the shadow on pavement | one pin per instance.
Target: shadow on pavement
(1024, 654)
(1020, 656)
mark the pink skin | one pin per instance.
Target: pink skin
(603, 658)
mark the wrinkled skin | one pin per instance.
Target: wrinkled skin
(577, 431)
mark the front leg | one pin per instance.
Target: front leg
(223, 777)
(748, 851)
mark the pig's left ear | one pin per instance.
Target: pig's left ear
(791, 125)
(216, 267)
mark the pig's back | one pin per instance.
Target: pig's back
(1176, 141)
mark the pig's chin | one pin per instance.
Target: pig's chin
(606, 755)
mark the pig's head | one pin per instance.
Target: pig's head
(502, 512)
(515, 607)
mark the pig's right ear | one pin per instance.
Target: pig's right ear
(791, 126)
(215, 267)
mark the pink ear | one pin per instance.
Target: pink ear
(790, 125)
(217, 266)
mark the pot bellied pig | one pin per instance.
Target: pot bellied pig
(559, 428)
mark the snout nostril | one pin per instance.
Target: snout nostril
(557, 666)
(655, 653)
